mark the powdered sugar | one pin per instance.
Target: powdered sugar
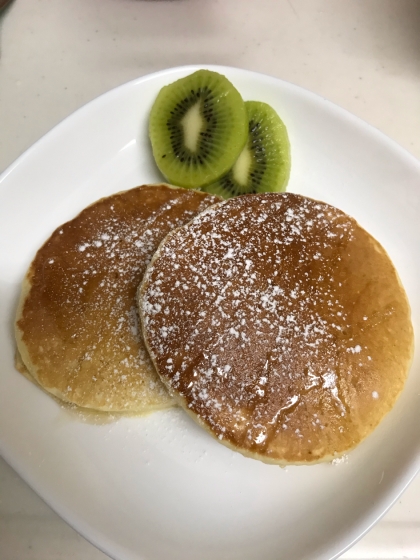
(259, 291)
(91, 269)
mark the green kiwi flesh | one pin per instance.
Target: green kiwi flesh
(264, 163)
(198, 126)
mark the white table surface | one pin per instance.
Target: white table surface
(56, 55)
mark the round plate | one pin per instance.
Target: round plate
(159, 487)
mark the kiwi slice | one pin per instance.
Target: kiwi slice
(264, 163)
(198, 127)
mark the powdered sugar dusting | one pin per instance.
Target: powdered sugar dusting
(340, 460)
(248, 302)
(91, 272)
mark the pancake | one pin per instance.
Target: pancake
(279, 325)
(77, 323)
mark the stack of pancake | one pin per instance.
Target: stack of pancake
(274, 320)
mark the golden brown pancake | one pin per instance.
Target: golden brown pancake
(280, 325)
(77, 324)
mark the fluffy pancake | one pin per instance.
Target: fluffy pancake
(280, 325)
(77, 324)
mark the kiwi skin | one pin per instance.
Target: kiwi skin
(264, 163)
(219, 124)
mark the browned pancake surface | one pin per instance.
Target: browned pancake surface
(77, 324)
(280, 325)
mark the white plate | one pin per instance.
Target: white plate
(159, 487)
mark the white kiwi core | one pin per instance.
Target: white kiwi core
(242, 167)
(192, 124)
